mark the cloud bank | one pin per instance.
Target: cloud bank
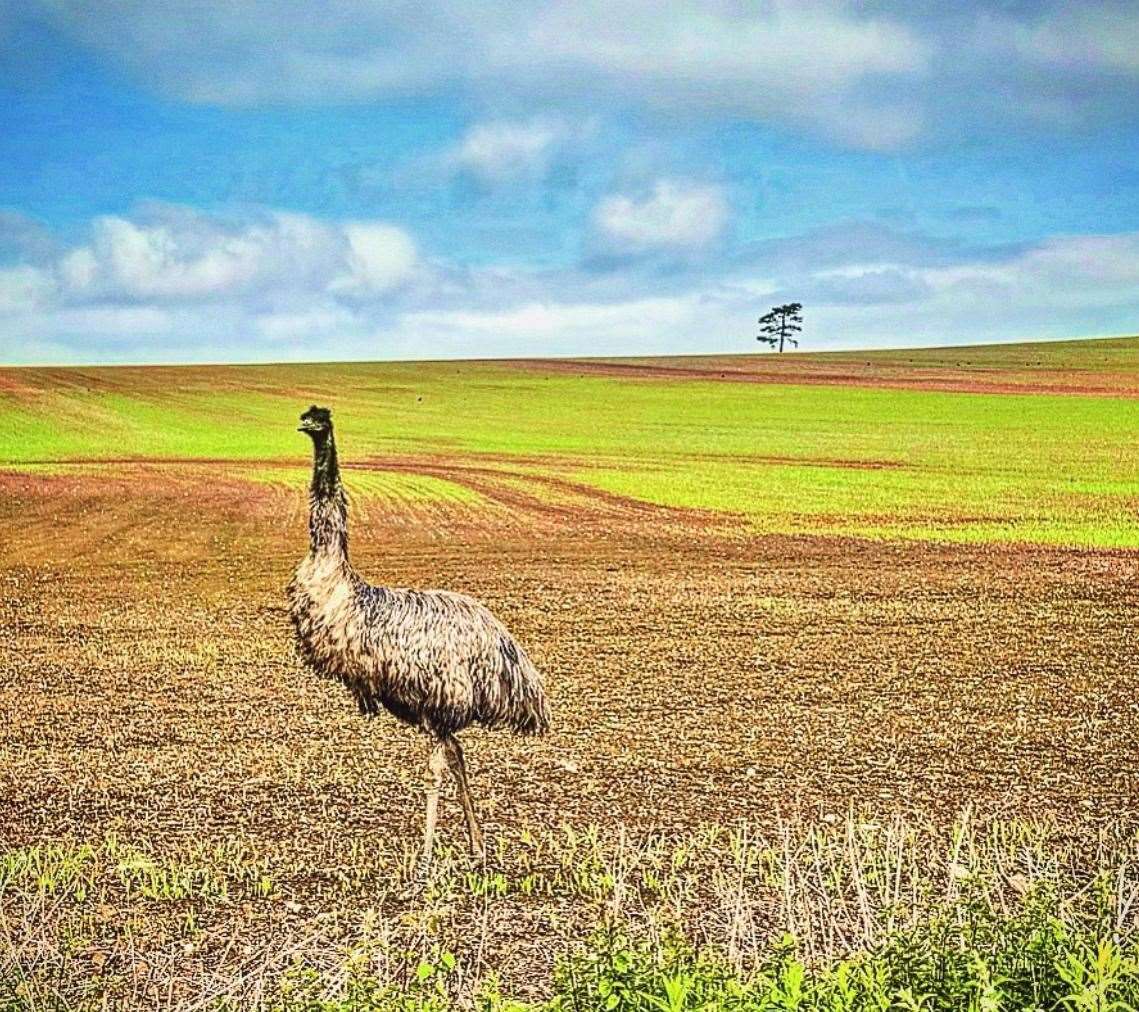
(877, 78)
(806, 61)
(171, 283)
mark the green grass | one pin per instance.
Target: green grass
(1037, 467)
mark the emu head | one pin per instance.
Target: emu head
(317, 422)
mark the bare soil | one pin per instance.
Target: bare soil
(697, 673)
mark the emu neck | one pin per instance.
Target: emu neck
(328, 508)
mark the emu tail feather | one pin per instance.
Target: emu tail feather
(528, 711)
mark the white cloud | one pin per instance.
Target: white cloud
(158, 261)
(168, 280)
(161, 260)
(1056, 274)
(381, 257)
(809, 62)
(674, 216)
(1096, 260)
(1063, 271)
(177, 255)
(78, 269)
(504, 150)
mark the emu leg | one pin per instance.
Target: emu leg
(435, 767)
(459, 769)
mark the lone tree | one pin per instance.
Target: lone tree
(776, 327)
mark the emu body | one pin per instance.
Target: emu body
(434, 659)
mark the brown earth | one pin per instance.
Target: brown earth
(147, 680)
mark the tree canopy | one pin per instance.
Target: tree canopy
(778, 327)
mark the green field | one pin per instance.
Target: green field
(885, 454)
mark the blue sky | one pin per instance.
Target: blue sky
(212, 181)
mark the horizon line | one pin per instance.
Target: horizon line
(1088, 339)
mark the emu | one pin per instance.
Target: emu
(436, 660)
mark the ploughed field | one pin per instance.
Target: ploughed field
(763, 591)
